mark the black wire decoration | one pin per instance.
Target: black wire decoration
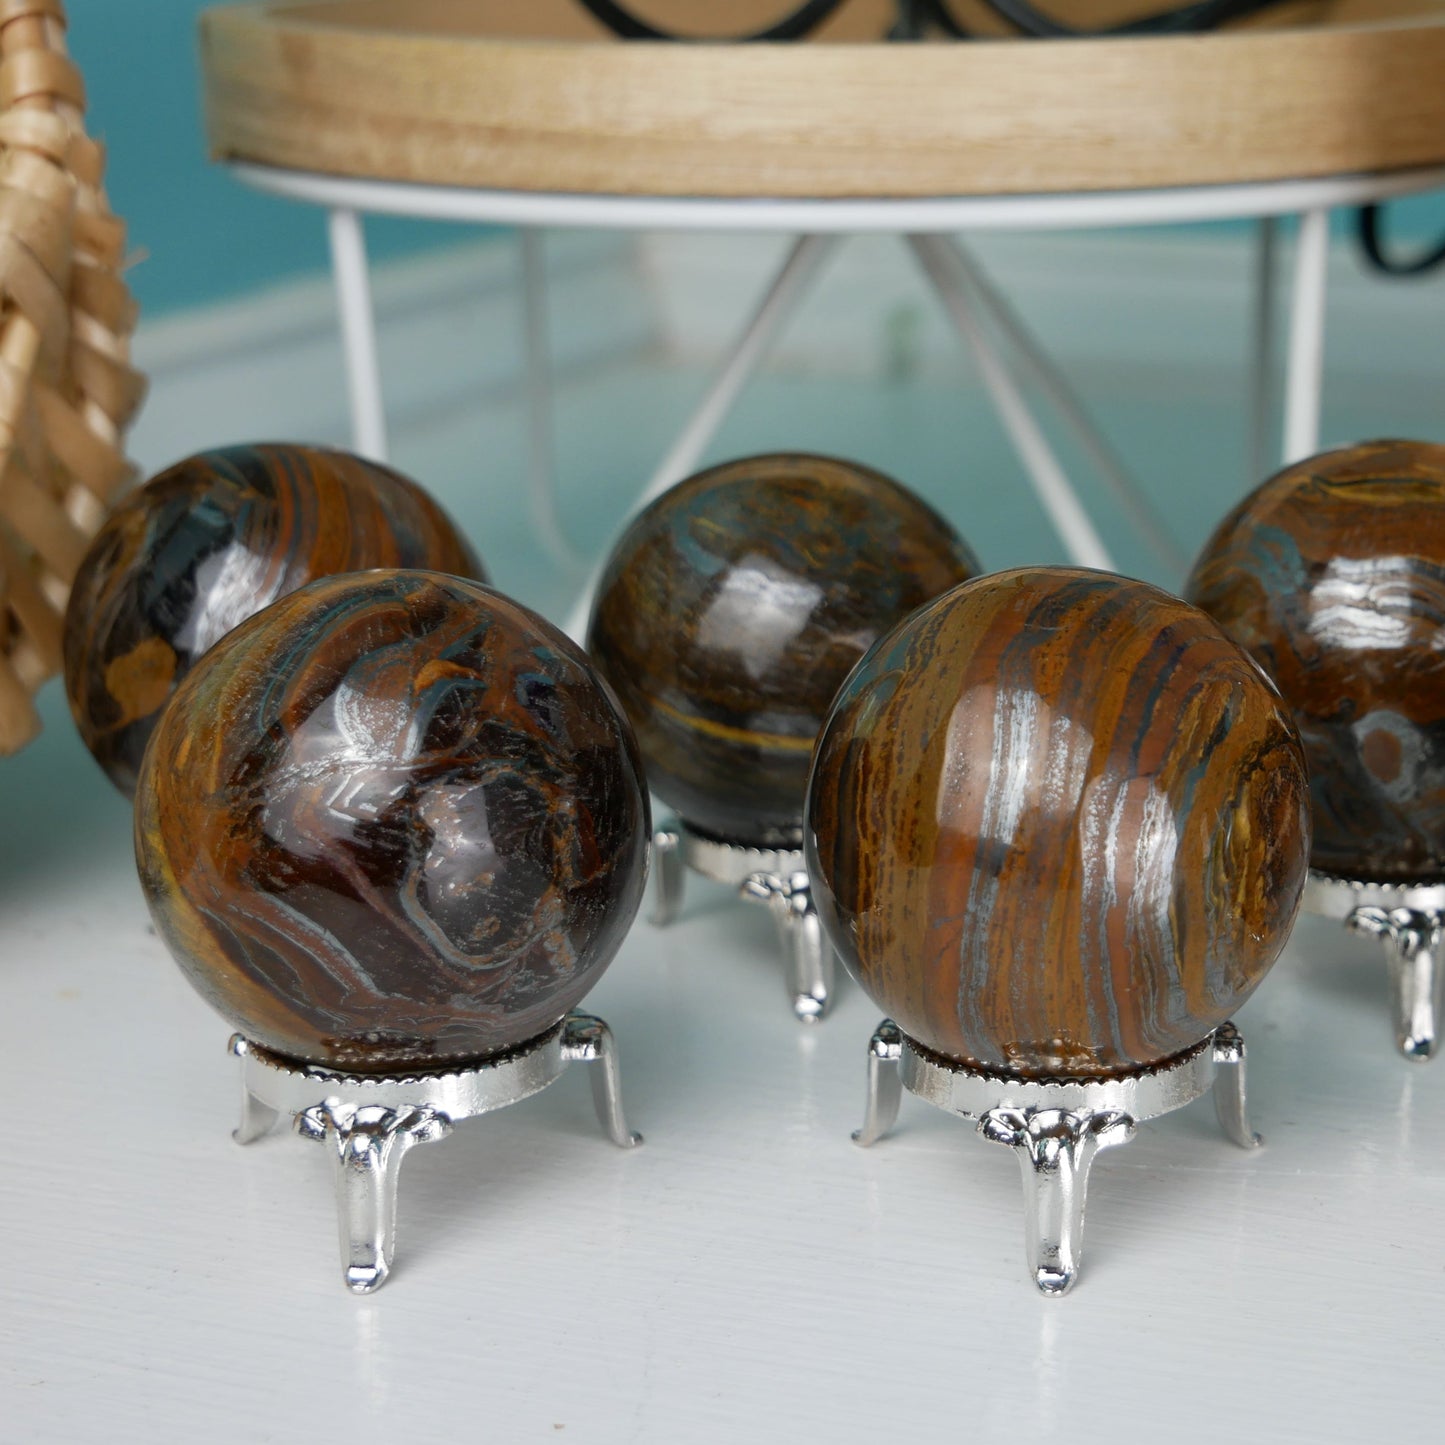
(916, 17)
(793, 26)
(1032, 22)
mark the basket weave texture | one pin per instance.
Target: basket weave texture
(67, 389)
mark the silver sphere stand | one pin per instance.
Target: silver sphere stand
(371, 1122)
(772, 876)
(1055, 1127)
(1409, 920)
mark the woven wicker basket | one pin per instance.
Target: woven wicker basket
(67, 389)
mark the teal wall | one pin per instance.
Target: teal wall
(201, 235)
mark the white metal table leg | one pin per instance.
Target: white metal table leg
(1081, 540)
(358, 332)
(783, 294)
(541, 458)
(1264, 347)
(1305, 367)
(1037, 364)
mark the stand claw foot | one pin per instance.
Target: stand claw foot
(885, 1084)
(671, 873)
(1055, 1148)
(1230, 1102)
(1412, 937)
(370, 1142)
(800, 932)
(587, 1040)
(257, 1117)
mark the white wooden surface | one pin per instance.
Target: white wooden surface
(748, 1274)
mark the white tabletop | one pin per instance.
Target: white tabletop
(748, 1272)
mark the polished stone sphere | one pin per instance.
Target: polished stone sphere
(1332, 575)
(392, 823)
(733, 608)
(206, 544)
(1058, 824)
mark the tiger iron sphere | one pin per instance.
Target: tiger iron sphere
(395, 822)
(1058, 824)
(1332, 574)
(733, 608)
(206, 544)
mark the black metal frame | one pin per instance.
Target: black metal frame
(1370, 232)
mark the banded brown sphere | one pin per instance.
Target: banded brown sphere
(1332, 575)
(206, 544)
(1058, 824)
(394, 822)
(733, 608)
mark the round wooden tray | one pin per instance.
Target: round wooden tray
(534, 95)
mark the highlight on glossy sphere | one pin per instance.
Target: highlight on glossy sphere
(1058, 824)
(733, 608)
(394, 821)
(1332, 575)
(209, 542)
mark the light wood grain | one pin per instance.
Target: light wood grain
(448, 92)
